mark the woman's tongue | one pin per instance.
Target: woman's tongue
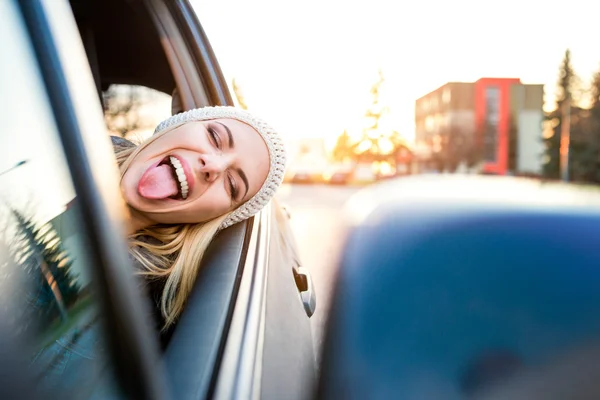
(158, 183)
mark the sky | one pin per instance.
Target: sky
(307, 67)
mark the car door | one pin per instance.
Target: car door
(72, 322)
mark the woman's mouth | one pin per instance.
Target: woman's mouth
(179, 175)
(167, 179)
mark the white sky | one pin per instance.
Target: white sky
(307, 67)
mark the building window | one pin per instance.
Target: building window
(492, 117)
(439, 121)
(446, 96)
(429, 123)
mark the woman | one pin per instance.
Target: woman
(203, 170)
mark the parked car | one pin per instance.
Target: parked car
(339, 178)
(306, 176)
(363, 173)
(338, 175)
(302, 177)
(245, 332)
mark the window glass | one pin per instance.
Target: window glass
(490, 136)
(47, 301)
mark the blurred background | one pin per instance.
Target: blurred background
(365, 91)
(402, 87)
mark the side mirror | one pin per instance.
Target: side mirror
(467, 288)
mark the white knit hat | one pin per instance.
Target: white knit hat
(277, 154)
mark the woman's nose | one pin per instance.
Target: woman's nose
(212, 166)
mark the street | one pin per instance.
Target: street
(315, 219)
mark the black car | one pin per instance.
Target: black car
(66, 280)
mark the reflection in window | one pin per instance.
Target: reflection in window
(37, 253)
(47, 303)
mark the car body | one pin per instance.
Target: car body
(245, 331)
(338, 175)
(305, 176)
(339, 178)
(363, 173)
(302, 177)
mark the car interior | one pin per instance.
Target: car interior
(117, 49)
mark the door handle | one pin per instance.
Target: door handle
(306, 289)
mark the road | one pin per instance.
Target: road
(315, 219)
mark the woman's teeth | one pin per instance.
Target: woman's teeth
(180, 176)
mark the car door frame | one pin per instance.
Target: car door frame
(235, 362)
(54, 36)
(134, 350)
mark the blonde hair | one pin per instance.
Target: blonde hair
(171, 253)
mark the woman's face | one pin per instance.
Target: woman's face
(197, 172)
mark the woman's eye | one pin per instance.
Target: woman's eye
(214, 137)
(233, 188)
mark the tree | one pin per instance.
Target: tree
(239, 95)
(369, 148)
(564, 91)
(343, 147)
(591, 152)
(376, 143)
(122, 106)
(512, 145)
(578, 149)
(375, 111)
(46, 265)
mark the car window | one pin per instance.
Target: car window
(47, 300)
(133, 111)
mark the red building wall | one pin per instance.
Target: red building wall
(500, 164)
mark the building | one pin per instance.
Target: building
(306, 150)
(495, 121)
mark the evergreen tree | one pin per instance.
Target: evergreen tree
(343, 147)
(375, 110)
(512, 145)
(40, 254)
(375, 144)
(591, 153)
(578, 158)
(564, 92)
